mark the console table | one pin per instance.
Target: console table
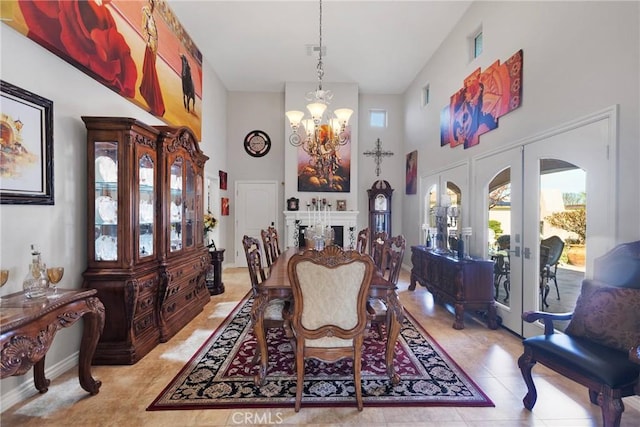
(466, 283)
(28, 326)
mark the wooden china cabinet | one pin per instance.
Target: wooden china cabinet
(145, 243)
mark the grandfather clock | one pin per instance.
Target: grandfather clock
(380, 207)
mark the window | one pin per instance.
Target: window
(378, 118)
(477, 45)
(424, 99)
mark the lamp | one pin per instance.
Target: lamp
(320, 139)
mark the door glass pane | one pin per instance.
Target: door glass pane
(146, 206)
(429, 225)
(563, 201)
(176, 206)
(453, 214)
(190, 205)
(499, 234)
(106, 201)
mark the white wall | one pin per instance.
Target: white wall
(579, 58)
(392, 168)
(60, 230)
(249, 111)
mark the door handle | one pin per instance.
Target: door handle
(527, 253)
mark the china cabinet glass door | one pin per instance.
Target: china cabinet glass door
(190, 205)
(146, 212)
(106, 201)
(176, 205)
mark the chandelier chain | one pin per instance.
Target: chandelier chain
(320, 65)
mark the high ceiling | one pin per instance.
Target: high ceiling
(260, 45)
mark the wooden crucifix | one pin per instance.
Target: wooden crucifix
(378, 154)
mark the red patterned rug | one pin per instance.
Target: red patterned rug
(220, 374)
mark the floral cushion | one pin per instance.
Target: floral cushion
(607, 315)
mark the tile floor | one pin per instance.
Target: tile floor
(489, 357)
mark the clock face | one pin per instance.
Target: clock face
(257, 143)
(380, 203)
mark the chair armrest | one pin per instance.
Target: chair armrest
(547, 318)
(634, 354)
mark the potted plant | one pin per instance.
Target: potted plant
(574, 221)
(210, 222)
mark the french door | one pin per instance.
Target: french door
(514, 184)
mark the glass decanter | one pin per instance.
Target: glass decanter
(36, 283)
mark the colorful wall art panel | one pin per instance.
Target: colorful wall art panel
(412, 173)
(484, 97)
(136, 48)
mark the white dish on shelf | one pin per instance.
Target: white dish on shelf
(106, 248)
(107, 209)
(146, 213)
(106, 169)
(146, 244)
(176, 212)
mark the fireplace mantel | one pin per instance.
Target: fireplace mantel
(346, 219)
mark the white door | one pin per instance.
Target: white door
(501, 176)
(587, 147)
(256, 209)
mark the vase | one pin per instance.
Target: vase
(576, 255)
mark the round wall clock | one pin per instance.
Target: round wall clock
(257, 143)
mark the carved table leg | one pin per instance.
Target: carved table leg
(93, 326)
(257, 316)
(395, 318)
(492, 316)
(458, 323)
(412, 283)
(41, 383)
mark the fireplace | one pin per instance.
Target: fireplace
(338, 235)
(343, 223)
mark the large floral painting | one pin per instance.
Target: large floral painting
(484, 97)
(135, 47)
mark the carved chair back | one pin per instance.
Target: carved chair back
(253, 253)
(392, 255)
(363, 239)
(330, 289)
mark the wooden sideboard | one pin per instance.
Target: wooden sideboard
(465, 283)
(28, 326)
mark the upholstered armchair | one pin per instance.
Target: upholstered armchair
(330, 289)
(601, 345)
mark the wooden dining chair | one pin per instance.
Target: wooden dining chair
(392, 255)
(363, 239)
(271, 245)
(330, 289)
(377, 245)
(276, 312)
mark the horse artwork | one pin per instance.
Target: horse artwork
(114, 42)
(188, 91)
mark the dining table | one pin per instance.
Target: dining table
(277, 285)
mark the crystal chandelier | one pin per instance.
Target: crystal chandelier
(319, 137)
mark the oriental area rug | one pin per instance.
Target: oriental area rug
(220, 374)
